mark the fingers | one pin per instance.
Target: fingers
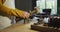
(26, 15)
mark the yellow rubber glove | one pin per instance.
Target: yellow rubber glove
(21, 13)
(13, 12)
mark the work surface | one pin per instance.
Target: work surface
(44, 28)
(19, 28)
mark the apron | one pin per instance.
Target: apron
(5, 21)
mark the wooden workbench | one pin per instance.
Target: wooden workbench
(43, 28)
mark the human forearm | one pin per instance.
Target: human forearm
(7, 10)
(13, 12)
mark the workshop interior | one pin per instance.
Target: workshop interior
(44, 16)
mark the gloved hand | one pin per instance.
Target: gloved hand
(20, 13)
(13, 12)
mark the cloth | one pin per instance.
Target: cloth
(5, 21)
(45, 20)
(10, 4)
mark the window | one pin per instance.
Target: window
(47, 4)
